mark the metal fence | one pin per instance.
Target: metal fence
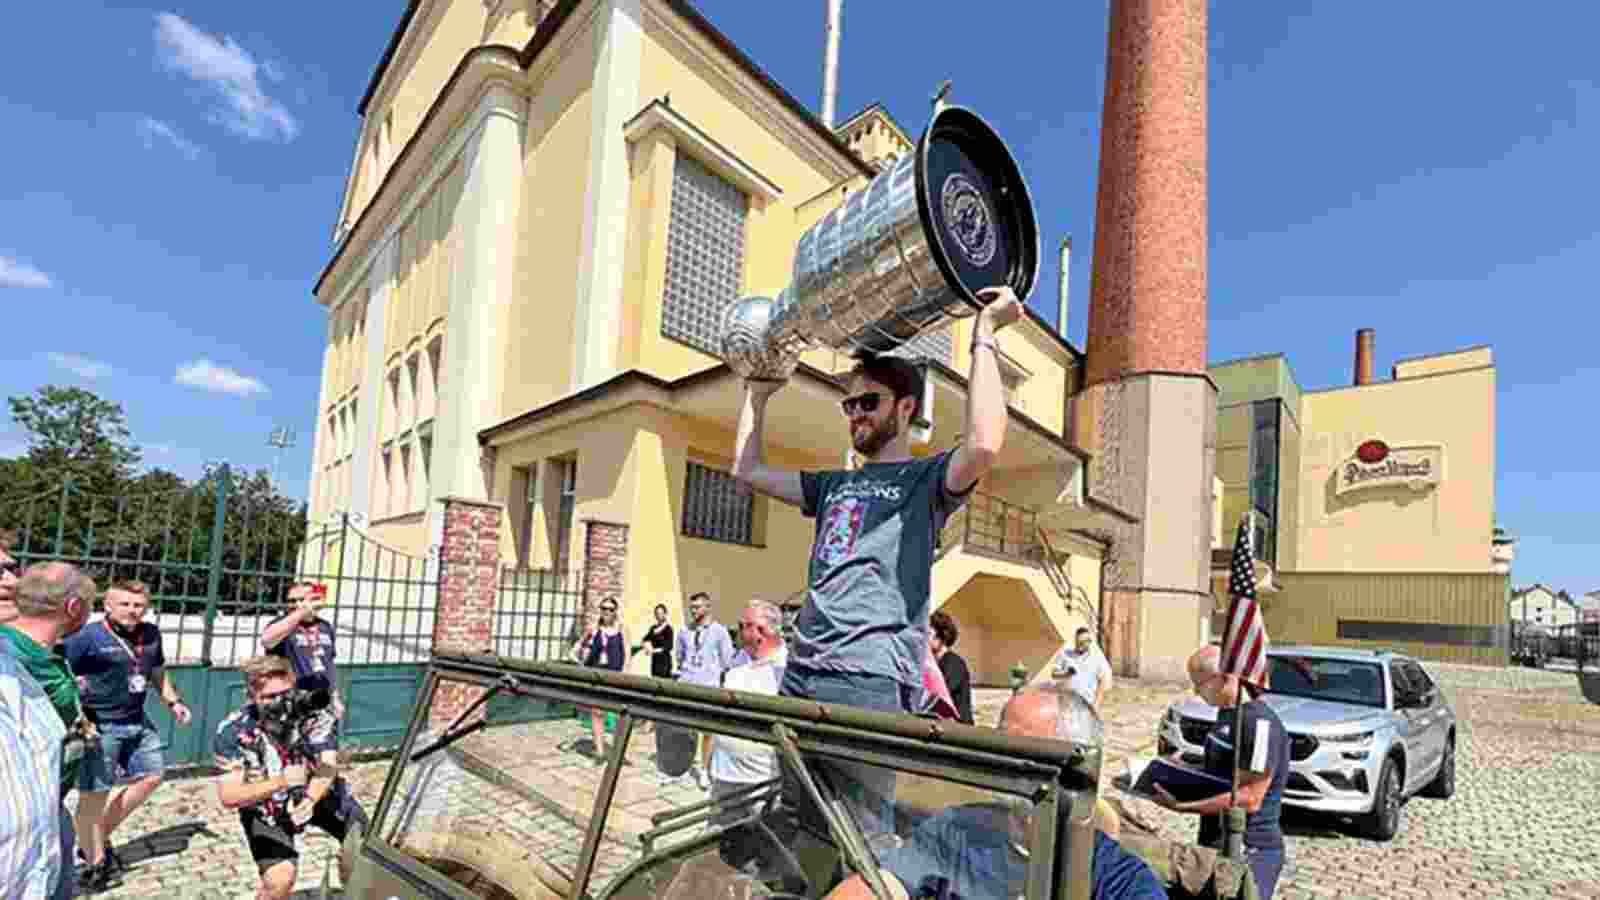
(536, 613)
(218, 557)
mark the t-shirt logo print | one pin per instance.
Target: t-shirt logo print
(840, 530)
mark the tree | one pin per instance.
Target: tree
(72, 432)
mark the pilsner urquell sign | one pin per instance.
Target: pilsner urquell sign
(1376, 464)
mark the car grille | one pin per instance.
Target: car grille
(1301, 746)
(1194, 730)
(1298, 782)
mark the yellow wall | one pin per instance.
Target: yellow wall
(1310, 606)
(440, 34)
(1440, 363)
(874, 138)
(772, 227)
(1446, 528)
(539, 330)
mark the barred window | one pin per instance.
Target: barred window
(717, 507)
(705, 254)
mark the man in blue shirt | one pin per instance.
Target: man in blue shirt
(118, 660)
(1263, 768)
(981, 851)
(306, 640)
(862, 637)
(704, 651)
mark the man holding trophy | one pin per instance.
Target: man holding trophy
(946, 232)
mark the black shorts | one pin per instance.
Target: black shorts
(272, 841)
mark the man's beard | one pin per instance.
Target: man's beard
(870, 443)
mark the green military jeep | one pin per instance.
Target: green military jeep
(497, 793)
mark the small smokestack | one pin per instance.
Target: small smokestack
(830, 63)
(1366, 341)
(1061, 290)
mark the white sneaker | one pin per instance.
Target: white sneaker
(700, 779)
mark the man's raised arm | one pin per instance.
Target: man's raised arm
(986, 396)
(748, 465)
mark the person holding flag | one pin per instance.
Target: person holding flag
(1232, 678)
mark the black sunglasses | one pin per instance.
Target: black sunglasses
(865, 403)
(12, 566)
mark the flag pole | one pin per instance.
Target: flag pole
(1234, 820)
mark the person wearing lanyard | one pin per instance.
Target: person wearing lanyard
(117, 660)
(306, 640)
(705, 651)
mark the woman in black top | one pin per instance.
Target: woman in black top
(659, 641)
(943, 632)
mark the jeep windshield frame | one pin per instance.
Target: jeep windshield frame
(1060, 779)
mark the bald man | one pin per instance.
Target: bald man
(1263, 768)
(980, 851)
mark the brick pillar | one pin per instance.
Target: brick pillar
(469, 556)
(605, 560)
(1147, 414)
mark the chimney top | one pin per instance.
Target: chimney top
(1366, 343)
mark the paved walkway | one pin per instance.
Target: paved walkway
(1522, 824)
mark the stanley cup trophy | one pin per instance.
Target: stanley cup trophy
(904, 256)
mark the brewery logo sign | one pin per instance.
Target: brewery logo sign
(967, 219)
(1376, 464)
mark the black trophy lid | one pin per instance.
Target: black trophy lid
(975, 205)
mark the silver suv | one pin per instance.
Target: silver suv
(1367, 730)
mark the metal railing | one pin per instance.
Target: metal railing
(994, 525)
(536, 613)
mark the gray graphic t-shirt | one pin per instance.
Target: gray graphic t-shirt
(867, 592)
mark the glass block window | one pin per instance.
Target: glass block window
(717, 507)
(705, 254)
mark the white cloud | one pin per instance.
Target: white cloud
(81, 366)
(231, 72)
(152, 129)
(18, 274)
(206, 375)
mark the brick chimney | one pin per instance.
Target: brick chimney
(1366, 340)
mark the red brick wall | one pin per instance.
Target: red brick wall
(605, 560)
(469, 581)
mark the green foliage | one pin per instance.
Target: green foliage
(77, 495)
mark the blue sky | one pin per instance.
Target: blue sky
(169, 190)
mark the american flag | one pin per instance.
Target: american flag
(1244, 647)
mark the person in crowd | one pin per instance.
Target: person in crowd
(862, 637)
(1083, 667)
(9, 570)
(119, 660)
(604, 647)
(658, 641)
(280, 772)
(737, 764)
(35, 856)
(944, 631)
(980, 851)
(52, 602)
(705, 651)
(1263, 768)
(306, 640)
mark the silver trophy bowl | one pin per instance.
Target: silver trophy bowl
(745, 325)
(905, 255)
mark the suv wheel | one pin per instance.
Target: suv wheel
(1384, 819)
(1443, 785)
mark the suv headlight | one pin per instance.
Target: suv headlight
(1354, 740)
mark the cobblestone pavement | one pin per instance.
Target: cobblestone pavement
(1523, 822)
